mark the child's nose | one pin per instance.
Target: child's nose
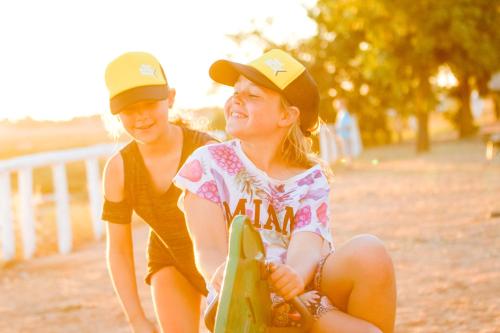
(142, 114)
(238, 98)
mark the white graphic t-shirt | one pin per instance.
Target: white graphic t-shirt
(223, 174)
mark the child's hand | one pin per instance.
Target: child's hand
(286, 281)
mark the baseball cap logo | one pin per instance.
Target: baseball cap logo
(147, 70)
(276, 66)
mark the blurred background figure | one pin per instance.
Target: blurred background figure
(328, 146)
(346, 128)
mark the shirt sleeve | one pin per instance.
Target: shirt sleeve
(117, 212)
(313, 214)
(196, 176)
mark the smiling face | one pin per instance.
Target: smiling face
(146, 121)
(253, 111)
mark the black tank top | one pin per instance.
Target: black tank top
(159, 211)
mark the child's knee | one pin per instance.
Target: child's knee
(368, 256)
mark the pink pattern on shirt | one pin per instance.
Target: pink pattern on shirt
(303, 217)
(317, 173)
(309, 179)
(321, 212)
(226, 158)
(209, 191)
(192, 171)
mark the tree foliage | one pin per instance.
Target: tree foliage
(381, 54)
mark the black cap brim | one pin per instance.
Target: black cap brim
(138, 94)
(227, 73)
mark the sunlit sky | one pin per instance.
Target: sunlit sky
(54, 53)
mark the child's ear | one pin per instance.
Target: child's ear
(171, 97)
(290, 115)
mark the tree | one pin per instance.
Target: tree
(468, 40)
(392, 48)
(381, 54)
(380, 50)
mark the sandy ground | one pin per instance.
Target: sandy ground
(432, 211)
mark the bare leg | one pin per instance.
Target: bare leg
(177, 303)
(359, 280)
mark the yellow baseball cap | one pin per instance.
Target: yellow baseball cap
(278, 71)
(135, 77)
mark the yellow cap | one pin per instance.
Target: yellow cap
(279, 71)
(135, 77)
(279, 67)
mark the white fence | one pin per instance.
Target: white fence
(23, 167)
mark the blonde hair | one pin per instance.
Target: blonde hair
(297, 148)
(113, 125)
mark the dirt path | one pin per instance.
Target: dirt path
(69, 293)
(432, 212)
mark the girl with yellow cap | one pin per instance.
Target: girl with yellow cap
(139, 178)
(268, 174)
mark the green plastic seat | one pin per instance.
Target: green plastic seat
(244, 304)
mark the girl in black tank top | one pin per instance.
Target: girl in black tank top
(138, 179)
(169, 243)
